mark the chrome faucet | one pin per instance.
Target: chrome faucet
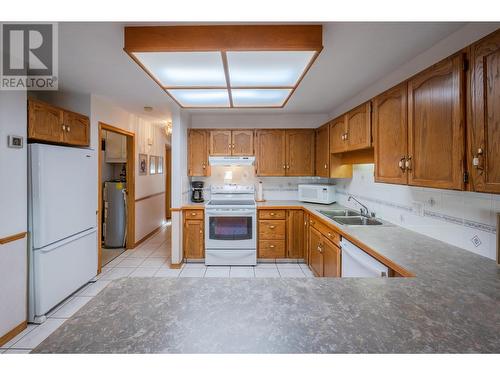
(364, 210)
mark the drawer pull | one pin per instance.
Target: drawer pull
(193, 213)
(272, 246)
(329, 234)
(272, 214)
(272, 226)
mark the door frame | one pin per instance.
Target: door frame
(168, 182)
(130, 240)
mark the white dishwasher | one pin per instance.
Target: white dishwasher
(357, 263)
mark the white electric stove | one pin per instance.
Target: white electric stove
(231, 226)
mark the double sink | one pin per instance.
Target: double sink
(349, 217)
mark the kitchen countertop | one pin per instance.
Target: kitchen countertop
(451, 305)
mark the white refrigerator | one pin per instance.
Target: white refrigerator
(62, 224)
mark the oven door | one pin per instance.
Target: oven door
(230, 229)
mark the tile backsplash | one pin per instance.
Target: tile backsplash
(275, 188)
(463, 219)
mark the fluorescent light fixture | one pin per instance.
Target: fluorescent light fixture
(201, 97)
(185, 69)
(267, 68)
(259, 97)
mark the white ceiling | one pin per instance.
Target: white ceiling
(355, 55)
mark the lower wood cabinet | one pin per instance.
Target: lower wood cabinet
(295, 234)
(194, 234)
(271, 234)
(324, 250)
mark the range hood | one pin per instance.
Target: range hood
(231, 160)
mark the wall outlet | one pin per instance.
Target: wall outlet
(418, 208)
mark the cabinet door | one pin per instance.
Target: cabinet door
(323, 151)
(390, 135)
(45, 122)
(358, 127)
(337, 135)
(242, 142)
(271, 153)
(295, 234)
(194, 239)
(331, 259)
(77, 129)
(300, 152)
(315, 255)
(306, 237)
(436, 127)
(485, 114)
(220, 142)
(197, 153)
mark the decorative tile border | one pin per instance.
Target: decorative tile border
(428, 213)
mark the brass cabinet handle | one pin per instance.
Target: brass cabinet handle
(288, 166)
(478, 159)
(346, 136)
(193, 213)
(408, 163)
(68, 128)
(272, 226)
(64, 128)
(402, 164)
(272, 246)
(320, 249)
(203, 166)
(272, 214)
(326, 166)
(329, 234)
(201, 231)
(284, 166)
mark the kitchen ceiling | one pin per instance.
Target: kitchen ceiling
(355, 55)
(226, 66)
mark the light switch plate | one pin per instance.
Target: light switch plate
(15, 141)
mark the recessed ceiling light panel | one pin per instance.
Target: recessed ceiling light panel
(260, 98)
(200, 97)
(184, 69)
(267, 68)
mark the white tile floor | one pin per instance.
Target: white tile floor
(150, 259)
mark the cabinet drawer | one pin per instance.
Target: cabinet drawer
(272, 214)
(271, 249)
(193, 214)
(272, 229)
(325, 230)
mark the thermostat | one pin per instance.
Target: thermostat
(15, 141)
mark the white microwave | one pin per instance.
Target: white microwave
(317, 193)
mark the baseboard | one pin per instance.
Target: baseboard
(176, 266)
(13, 333)
(149, 235)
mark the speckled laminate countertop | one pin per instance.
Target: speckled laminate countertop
(452, 305)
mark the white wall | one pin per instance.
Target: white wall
(13, 211)
(150, 213)
(229, 120)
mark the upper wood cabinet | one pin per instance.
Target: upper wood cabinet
(322, 168)
(285, 152)
(352, 131)
(484, 129)
(337, 135)
(390, 132)
(242, 142)
(436, 136)
(220, 142)
(48, 123)
(271, 153)
(358, 127)
(299, 152)
(231, 142)
(198, 153)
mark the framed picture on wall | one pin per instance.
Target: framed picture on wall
(152, 164)
(143, 164)
(159, 166)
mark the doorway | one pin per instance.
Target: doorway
(168, 183)
(116, 186)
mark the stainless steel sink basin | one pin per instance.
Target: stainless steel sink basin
(336, 213)
(357, 220)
